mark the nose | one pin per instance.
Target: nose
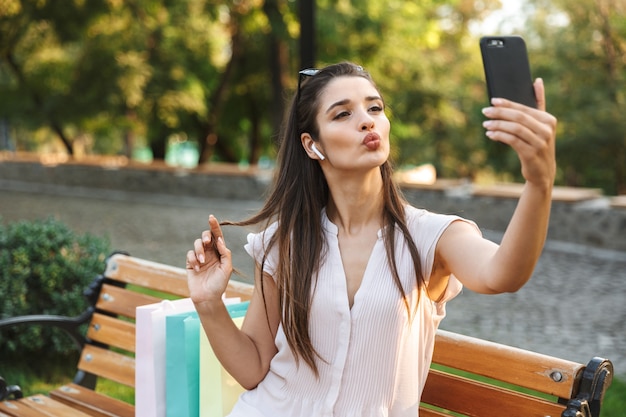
(367, 123)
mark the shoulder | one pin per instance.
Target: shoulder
(426, 227)
(258, 243)
(424, 221)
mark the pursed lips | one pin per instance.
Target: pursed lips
(372, 141)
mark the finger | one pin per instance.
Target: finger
(505, 112)
(504, 109)
(198, 248)
(192, 261)
(223, 251)
(207, 239)
(540, 93)
(512, 134)
(216, 229)
(505, 121)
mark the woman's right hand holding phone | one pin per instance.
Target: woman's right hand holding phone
(530, 132)
(209, 266)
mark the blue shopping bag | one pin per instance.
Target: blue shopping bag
(182, 365)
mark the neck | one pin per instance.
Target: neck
(356, 202)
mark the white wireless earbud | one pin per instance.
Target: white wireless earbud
(317, 152)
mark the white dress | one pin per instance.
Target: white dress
(375, 360)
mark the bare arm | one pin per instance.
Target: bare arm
(483, 266)
(245, 353)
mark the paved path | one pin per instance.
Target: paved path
(574, 306)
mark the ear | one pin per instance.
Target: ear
(308, 145)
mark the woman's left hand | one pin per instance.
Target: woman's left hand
(530, 132)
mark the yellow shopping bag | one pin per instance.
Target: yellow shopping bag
(218, 390)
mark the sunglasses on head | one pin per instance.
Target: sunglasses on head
(305, 73)
(309, 72)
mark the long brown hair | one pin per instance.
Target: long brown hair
(298, 195)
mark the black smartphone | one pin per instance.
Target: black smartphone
(507, 69)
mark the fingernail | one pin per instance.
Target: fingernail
(487, 124)
(196, 268)
(201, 258)
(220, 240)
(496, 101)
(487, 111)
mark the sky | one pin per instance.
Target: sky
(504, 21)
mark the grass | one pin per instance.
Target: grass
(41, 377)
(614, 404)
(38, 379)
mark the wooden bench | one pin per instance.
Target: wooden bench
(469, 376)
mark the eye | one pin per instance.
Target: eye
(376, 108)
(341, 115)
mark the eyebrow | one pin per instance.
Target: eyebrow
(346, 101)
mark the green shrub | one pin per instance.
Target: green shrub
(44, 269)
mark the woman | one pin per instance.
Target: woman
(351, 281)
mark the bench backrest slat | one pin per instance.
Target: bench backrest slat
(112, 332)
(473, 398)
(108, 364)
(164, 278)
(123, 302)
(527, 369)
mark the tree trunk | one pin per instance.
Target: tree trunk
(67, 142)
(278, 62)
(209, 139)
(54, 124)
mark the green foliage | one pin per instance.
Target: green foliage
(583, 60)
(111, 74)
(615, 399)
(44, 269)
(39, 374)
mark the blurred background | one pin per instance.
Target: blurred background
(195, 82)
(192, 92)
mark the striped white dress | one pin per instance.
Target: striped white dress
(375, 360)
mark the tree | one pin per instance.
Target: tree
(585, 54)
(41, 67)
(217, 73)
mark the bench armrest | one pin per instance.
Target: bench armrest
(71, 325)
(9, 391)
(596, 379)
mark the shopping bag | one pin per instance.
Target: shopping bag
(218, 390)
(150, 354)
(182, 369)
